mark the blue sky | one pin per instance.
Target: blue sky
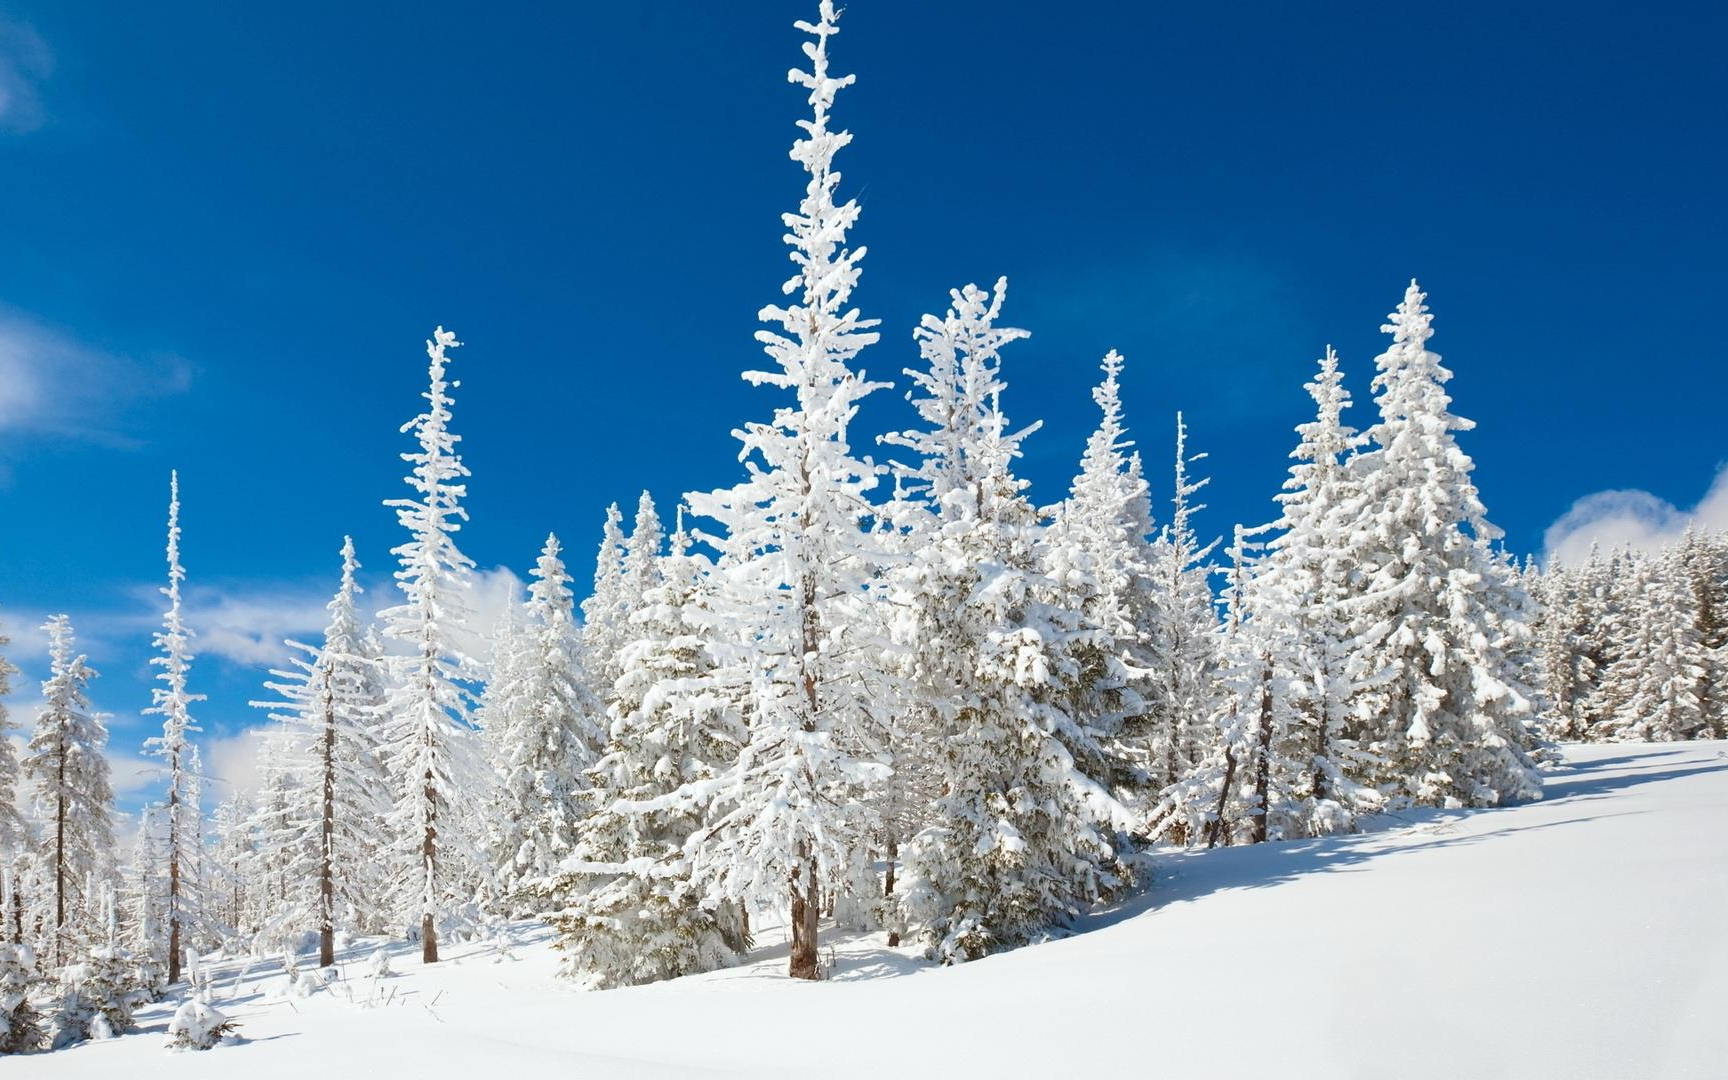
(226, 230)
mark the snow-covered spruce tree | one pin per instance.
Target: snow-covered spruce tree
(1099, 553)
(335, 791)
(1018, 841)
(1564, 629)
(1662, 670)
(146, 905)
(99, 993)
(232, 897)
(12, 825)
(74, 798)
(1705, 558)
(172, 702)
(1302, 589)
(20, 1024)
(642, 557)
(1184, 632)
(1440, 702)
(631, 912)
(795, 560)
(283, 843)
(543, 731)
(430, 746)
(606, 612)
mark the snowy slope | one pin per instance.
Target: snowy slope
(1582, 936)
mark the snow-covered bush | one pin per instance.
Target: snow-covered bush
(20, 1028)
(197, 1025)
(96, 997)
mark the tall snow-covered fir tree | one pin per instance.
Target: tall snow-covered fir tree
(1184, 634)
(1312, 569)
(795, 561)
(336, 792)
(12, 827)
(1099, 552)
(631, 912)
(1439, 702)
(172, 702)
(1659, 676)
(542, 728)
(430, 745)
(606, 611)
(1019, 839)
(74, 796)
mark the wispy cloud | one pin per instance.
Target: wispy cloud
(24, 63)
(53, 384)
(1632, 518)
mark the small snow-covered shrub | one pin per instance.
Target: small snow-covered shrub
(96, 997)
(20, 1028)
(197, 1025)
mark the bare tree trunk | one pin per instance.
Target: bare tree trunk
(60, 858)
(1263, 759)
(429, 853)
(888, 886)
(174, 869)
(326, 874)
(1216, 826)
(805, 912)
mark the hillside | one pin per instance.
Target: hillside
(1581, 936)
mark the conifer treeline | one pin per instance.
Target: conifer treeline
(891, 694)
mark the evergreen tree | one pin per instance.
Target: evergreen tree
(606, 612)
(795, 560)
(1661, 672)
(1440, 699)
(429, 742)
(12, 826)
(543, 729)
(1018, 841)
(74, 797)
(1100, 554)
(172, 702)
(1184, 635)
(326, 812)
(631, 912)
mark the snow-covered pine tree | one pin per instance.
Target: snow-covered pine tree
(795, 560)
(1439, 697)
(172, 702)
(1017, 843)
(1100, 554)
(12, 826)
(606, 611)
(335, 791)
(642, 557)
(1184, 633)
(20, 1024)
(430, 744)
(74, 797)
(631, 912)
(1664, 664)
(232, 899)
(1302, 589)
(543, 731)
(1705, 557)
(146, 913)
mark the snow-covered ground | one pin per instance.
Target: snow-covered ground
(1582, 936)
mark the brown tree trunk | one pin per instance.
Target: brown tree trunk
(1215, 827)
(804, 916)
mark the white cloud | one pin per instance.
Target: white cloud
(1632, 518)
(54, 384)
(251, 627)
(24, 62)
(230, 766)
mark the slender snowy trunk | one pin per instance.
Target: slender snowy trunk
(893, 854)
(174, 868)
(1215, 827)
(326, 872)
(60, 857)
(1263, 757)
